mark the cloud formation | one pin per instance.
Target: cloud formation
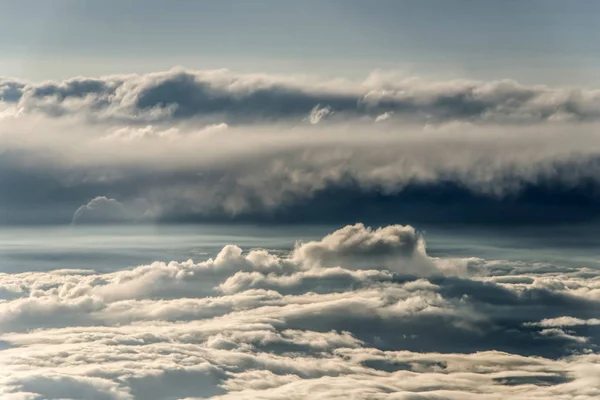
(311, 323)
(101, 210)
(218, 146)
(181, 93)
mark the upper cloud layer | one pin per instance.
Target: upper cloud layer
(180, 94)
(216, 146)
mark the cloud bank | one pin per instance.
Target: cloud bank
(197, 146)
(362, 312)
(181, 93)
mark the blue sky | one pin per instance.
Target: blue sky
(552, 42)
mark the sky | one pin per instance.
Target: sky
(537, 42)
(273, 200)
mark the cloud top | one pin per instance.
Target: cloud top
(181, 94)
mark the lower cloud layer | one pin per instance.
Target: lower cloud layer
(363, 313)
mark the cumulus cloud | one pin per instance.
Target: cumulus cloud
(366, 247)
(345, 315)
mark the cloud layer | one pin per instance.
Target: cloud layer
(362, 312)
(181, 93)
(194, 146)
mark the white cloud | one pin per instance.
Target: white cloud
(150, 132)
(396, 248)
(383, 117)
(8, 113)
(566, 322)
(318, 113)
(328, 320)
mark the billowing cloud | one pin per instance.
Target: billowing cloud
(219, 146)
(364, 247)
(312, 323)
(181, 93)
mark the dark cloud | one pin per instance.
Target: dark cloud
(39, 194)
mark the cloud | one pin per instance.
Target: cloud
(150, 132)
(366, 247)
(181, 93)
(329, 319)
(104, 210)
(318, 113)
(566, 322)
(383, 117)
(147, 132)
(215, 146)
(365, 311)
(101, 210)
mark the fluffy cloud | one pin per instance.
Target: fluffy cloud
(345, 315)
(365, 247)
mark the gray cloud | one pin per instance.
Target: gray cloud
(181, 93)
